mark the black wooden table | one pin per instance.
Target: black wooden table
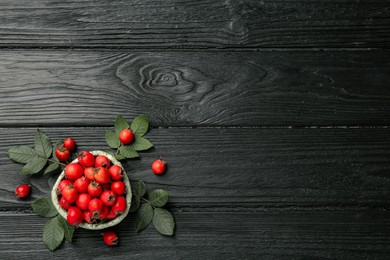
(273, 115)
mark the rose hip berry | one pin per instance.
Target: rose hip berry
(81, 184)
(120, 205)
(108, 198)
(74, 171)
(102, 161)
(115, 172)
(83, 201)
(22, 191)
(70, 194)
(69, 144)
(63, 184)
(95, 206)
(89, 173)
(110, 238)
(75, 216)
(62, 153)
(118, 187)
(104, 213)
(111, 215)
(102, 176)
(64, 204)
(88, 217)
(86, 159)
(94, 189)
(126, 136)
(159, 166)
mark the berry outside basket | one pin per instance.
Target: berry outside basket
(113, 222)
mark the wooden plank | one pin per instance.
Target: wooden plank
(194, 24)
(189, 89)
(239, 167)
(211, 234)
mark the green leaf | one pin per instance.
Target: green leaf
(163, 222)
(68, 229)
(135, 202)
(119, 157)
(53, 234)
(21, 154)
(141, 144)
(120, 124)
(54, 149)
(42, 144)
(143, 217)
(112, 139)
(139, 189)
(128, 152)
(140, 125)
(51, 168)
(158, 198)
(34, 166)
(44, 207)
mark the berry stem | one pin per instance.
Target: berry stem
(117, 150)
(53, 161)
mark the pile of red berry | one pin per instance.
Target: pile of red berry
(93, 190)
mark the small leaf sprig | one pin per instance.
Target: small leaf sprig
(139, 127)
(148, 209)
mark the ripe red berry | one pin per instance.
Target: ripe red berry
(86, 159)
(64, 204)
(88, 217)
(110, 238)
(81, 184)
(106, 186)
(102, 176)
(94, 189)
(22, 191)
(69, 144)
(75, 216)
(120, 205)
(63, 184)
(126, 136)
(108, 198)
(95, 206)
(70, 194)
(62, 153)
(104, 213)
(159, 166)
(73, 171)
(102, 161)
(111, 215)
(83, 201)
(90, 173)
(118, 187)
(115, 172)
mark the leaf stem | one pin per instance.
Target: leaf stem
(117, 150)
(53, 161)
(147, 202)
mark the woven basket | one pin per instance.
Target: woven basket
(117, 220)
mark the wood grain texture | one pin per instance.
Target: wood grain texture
(239, 167)
(211, 234)
(194, 24)
(190, 89)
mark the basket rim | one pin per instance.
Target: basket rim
(117, 220)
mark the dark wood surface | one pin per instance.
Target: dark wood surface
(273, 116)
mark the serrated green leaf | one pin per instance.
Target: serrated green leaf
(21, 154)
(128, 152)
(120, 124)
(141, 144)
(139, 189)
(163, 222)
(53, 234)
(42, 144)
(53, 167)
(135, 202)
(34, 166)
(143, 217)
(44, 207)
(119, 157)
(140, 125)
(112, 139)
(158, 198)
(68, 229)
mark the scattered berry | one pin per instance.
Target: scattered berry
(102, 161)
(22, 191)
(126, 136)
(62, 153)
(110, 238)
(73, 171)
(115, 172)
(159, 166)
(86, 159)
(69, 144)
(75, 216)
(118, 187)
